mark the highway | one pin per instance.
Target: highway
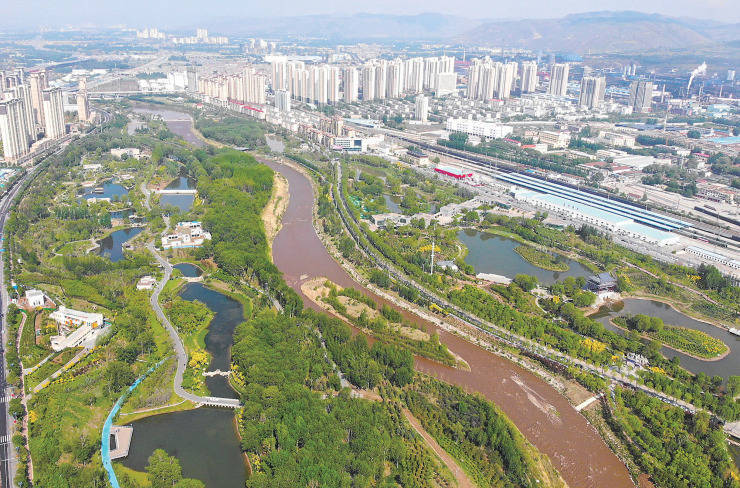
(7, 453)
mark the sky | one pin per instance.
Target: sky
(186, 13)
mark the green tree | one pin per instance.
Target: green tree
(694, 134)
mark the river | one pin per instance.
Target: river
(178, 122)
(725, 367)
(543, 415)
(489, 253)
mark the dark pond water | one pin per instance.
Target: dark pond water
(110, 190)
(393, 203)
(112, 246)
(228, 314)
(489, 253)
(189, 270)
(183, 202)
(730, 365)
(204, 440)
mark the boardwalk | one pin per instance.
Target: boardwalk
(182, 356)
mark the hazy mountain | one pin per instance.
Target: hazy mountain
(602, 31)
(594, 31)
(429, 26)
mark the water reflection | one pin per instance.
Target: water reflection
(489, 253)
(112, 246)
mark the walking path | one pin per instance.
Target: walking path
(462, 479)
(56, 374)
(588, 402)
(181, 354)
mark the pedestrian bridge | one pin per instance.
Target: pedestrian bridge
(219, 402)
(176, 191)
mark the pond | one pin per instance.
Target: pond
(188, 270)
(393, 203)
(204, 441)
(183, 202)
(112, 246)
(729, 365)
(228, 314)
(493, 254)
(114, 191)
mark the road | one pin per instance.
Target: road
(7, 453)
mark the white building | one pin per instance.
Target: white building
(350, 81)
(12, 129)
(54, 113)
(282, 100)
(421, 108)
(554, 139)
(187, 234)
(490, 130)
(559, 79)
(529, 77)
(68, 317)
(592, 91)
(146, 283)
(708, 255)
(35, 298)
(131, 152)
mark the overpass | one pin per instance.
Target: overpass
(176, 191)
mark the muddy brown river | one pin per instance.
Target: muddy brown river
(542, 414)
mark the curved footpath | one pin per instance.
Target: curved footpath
(542, 414)
(181, 354)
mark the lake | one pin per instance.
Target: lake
(489, 253)
(730, 365)
(183, 202)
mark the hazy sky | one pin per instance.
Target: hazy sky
(176, 13)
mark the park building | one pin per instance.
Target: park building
(186, 235)
(69, 317)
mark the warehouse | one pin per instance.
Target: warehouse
(453, 171)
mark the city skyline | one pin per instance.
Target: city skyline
(46, 13)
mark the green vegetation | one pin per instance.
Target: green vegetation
(542, 259)
(673, 447)
(691, 341)
(164, 472)
(238, 131)
(475, 432)
(295, 437)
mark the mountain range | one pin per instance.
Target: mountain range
(606, 31)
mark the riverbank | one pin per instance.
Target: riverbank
(545, 417)
(272, 214)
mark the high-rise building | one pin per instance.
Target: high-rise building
(381, 78)
(592, 91)
(350, 83)
(368, 82)
(559, 79)
(53, 113)
(641, 96)
(445, 84)
(282, 100)
(730, 75)
(23, 93)
(278, 68)
(506, 74)
(414, 71)
(431, 69)
(333, 85)
(395, 79)
(421, 108)
(39, 83)
(529, 77)
(83, 109)
(192, 76)
(13, 129)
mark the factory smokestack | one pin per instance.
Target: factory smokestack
(699, 70)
